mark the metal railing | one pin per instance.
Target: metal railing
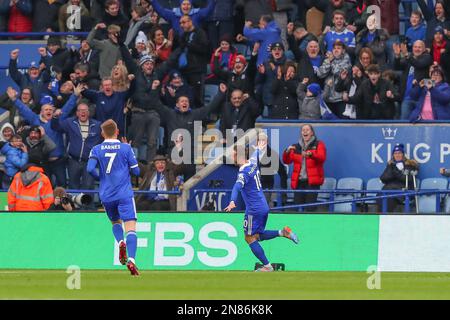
(360, 196)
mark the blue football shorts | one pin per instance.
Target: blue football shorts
(255, 223)
(124, 209)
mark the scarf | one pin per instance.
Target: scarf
(158, 183)
(303, 174)
(437, 50)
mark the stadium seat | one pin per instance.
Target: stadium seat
(210, 92)
(373, 184)
(350, 183)
(328, 184)
(427, 203)
(243, 49)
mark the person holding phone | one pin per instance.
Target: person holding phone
(432, 96)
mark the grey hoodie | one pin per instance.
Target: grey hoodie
(28, 177)
(308, 107)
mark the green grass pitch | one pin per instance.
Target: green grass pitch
(221, 285)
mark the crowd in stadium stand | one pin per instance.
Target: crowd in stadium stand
(145, 64)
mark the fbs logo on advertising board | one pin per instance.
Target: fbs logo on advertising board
(176, 244)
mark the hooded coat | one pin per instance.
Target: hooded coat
(30, 190)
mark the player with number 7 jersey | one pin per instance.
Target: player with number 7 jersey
(111, 162)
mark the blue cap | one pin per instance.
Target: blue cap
(314, 88)
(46, 100)
(399, 147)
(33, 64)
(439, 29)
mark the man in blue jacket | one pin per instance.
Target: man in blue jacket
(82, 133)
(268, 33)
(57, 162)
(34, 78)
(109, 104)
(173, 16)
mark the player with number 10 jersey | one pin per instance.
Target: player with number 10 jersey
(248, 183)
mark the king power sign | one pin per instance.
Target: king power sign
(363, 150)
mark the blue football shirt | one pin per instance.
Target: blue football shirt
(250, 179)
(114, 160)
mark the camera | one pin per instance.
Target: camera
(429, 82)
(79, 200)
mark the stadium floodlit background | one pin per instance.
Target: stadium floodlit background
(350, 248)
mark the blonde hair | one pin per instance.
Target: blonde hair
(121, 83)
(109, 128)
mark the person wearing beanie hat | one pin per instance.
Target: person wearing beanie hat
(141, 38)
(395, 174)
(160, 174)
(434, 17)
(309, 101)
(439, 45)
(314, 89)
(240, 77)
(175, 88)
(224, 57)
(146, 58)
(140, 47)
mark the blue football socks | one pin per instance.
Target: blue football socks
(258, 251)
(269, 234)
(117, 231)
(131, 244)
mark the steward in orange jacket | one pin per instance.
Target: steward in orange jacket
(30, 190)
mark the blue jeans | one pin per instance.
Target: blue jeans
(406, 108)
(79, 178)
(56, 172)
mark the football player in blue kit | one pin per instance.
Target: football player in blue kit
(257, 210)
(115, 160)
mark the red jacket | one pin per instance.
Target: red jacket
(231, 61)
(19, 22)
(314, 164)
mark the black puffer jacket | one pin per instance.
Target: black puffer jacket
(395, 179)
(285, 104)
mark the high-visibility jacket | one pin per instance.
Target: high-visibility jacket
(30, 190)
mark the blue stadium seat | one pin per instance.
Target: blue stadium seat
(243, 49)
(210, 92)
(347, 183)
(427, 203)
(328, 184)
(373, 184)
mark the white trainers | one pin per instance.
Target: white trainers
(268, 268)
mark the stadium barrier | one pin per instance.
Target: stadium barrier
(214, 241)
